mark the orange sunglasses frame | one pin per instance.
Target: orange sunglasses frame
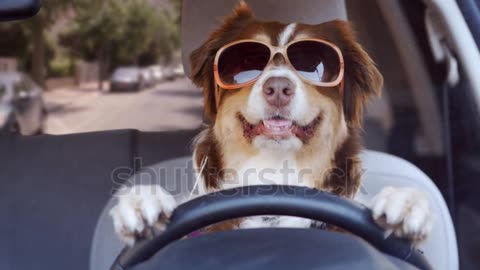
(273, 51)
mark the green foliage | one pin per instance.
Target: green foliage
(25, 62)
(61, 67)
(115, 32)
(122, 32)
(35, 55)
(95, 27)
(139, 28)
(51, 9)
(165, 40)
(16, 42)
(177, 6)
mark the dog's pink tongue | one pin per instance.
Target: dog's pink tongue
(276, 127)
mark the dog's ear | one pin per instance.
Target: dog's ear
(362, 78)
(202, 58)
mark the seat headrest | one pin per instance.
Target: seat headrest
(199, 18)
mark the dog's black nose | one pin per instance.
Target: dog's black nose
(278, 91)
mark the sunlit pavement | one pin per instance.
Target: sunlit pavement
(167, 106)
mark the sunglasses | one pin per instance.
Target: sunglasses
(241, 63)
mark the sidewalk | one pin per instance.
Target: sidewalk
(85, 87)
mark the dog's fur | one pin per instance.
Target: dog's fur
(324, 156)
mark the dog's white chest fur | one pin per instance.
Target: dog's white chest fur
(269, 168)
(266, 168)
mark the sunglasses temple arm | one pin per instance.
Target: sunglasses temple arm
(342, 87)
(217, 96)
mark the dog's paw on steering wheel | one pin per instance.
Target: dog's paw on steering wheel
(404, 212)
(140, 210)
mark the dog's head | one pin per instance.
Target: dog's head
(280, 110)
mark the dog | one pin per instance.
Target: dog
(280, 97)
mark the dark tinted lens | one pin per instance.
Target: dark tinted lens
(315, 61)
(242, 62)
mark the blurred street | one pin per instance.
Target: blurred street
(166, 106)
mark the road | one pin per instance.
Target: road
(167, 106)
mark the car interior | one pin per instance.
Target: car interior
(56, 190)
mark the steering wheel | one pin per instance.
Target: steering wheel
(272, 200)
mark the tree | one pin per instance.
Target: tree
(165, 40)
(177, 7)
(35, 29)
(96, 27)
(128, 32)
(139, 31)
(121, 32)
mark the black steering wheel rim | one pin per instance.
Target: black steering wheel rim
(272, 200)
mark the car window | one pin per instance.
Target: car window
(456, 171)
(87, 47)
(471, 12)
(125, 73)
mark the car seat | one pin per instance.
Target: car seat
(380, 169)
(53, 189)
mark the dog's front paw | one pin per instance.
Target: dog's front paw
(404, 211)
(139, 209)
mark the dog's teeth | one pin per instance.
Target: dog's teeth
(266, 124)
(277, 125)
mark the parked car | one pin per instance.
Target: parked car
(178, 71)
(157, 73)
(127, 79)
(21, 104)
(148, 77)
(169, 74)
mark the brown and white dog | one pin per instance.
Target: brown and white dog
(280, 123)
